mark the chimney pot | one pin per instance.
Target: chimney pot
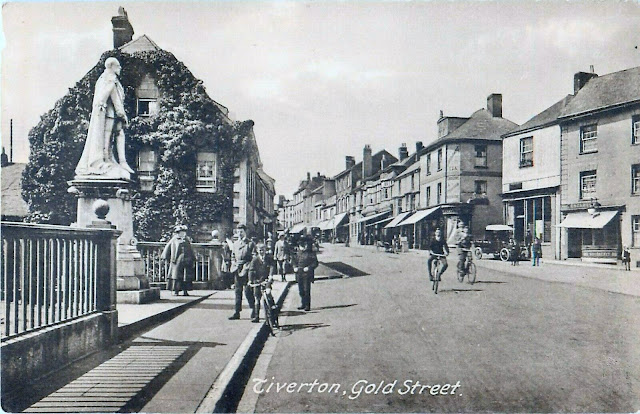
(418, 146)
(403, 152)
(494, 105)
(122, 29)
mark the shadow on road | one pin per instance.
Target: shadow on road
(291, 328)
(292, 313)
(345, 269)
(459, 290)
(336, 306)
(489, 282)
(223, 306)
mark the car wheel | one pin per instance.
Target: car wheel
(477, 253)
(504, 254)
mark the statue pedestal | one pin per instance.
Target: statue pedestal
(132, 283)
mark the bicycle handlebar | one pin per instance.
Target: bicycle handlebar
(263, 283)
(439, 255)
(465, 250)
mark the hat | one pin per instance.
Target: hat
(179, 228)
(303, 240)
(280, 234)
(241, 226)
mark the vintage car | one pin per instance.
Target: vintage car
(496, 243)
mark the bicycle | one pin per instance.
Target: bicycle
(468, 269)
(436, 265)
(268, 303)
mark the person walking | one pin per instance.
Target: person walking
(241, 256)
(305, 263)
(258, 272)
(225, 268)
(514, 251)
(536, 251)
(626, 258)
(179, 253)
(281, 254)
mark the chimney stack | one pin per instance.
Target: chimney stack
(580, 79)
(122, 29)
(308, 176)
(418, 146)
(367, 162)
(5, 158)
(494, 105)
(350, 161)
(403, 152)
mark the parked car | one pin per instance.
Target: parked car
(496, 243)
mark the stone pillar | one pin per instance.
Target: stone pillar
(132, 283)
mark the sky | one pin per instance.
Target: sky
(322, 79)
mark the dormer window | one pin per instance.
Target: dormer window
(146, 168)
(206, 172)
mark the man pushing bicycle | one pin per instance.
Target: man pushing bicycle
(438, 249)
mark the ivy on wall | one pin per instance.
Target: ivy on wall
(188, 121)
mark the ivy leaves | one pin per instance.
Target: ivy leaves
(188, 121)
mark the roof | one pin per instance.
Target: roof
(606, 91)
(270, 182)
(547, 117)
(141, 44)
(415, 166)
(12, 202)
(481, 125)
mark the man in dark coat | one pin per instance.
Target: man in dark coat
(241, 256)
(305, 263)
(179, 253)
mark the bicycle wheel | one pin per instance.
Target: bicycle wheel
(471, 275)
(268, 316)
(460, 275)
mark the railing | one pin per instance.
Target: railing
(157, 269)
(52, 274)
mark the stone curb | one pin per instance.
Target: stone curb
(129, 331)
(222, 396)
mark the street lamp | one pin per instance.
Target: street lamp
(593, 207)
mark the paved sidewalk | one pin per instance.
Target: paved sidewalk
(169, 368)
(595, 276)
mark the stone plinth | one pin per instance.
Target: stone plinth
(132, 283)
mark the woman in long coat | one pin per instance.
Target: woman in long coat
(179, 253)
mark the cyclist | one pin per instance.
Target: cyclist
(438, 247)
(464, 247)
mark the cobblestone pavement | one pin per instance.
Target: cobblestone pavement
(507, 343)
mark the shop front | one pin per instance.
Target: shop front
(419, 226)
(592, 236)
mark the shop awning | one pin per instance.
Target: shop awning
(297, 228)
(339, 219)
(397, 219)
(326, 225)
(385, 220)
(419, 215)
(584, 220)
(371, 217)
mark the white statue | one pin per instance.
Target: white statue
(107, 120)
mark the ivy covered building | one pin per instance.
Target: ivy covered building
(194, 164)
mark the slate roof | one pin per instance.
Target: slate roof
(481, 125)
(606, 91)
(12, 203)
(547, 117)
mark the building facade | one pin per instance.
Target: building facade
(531, 179)
(600, 169)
